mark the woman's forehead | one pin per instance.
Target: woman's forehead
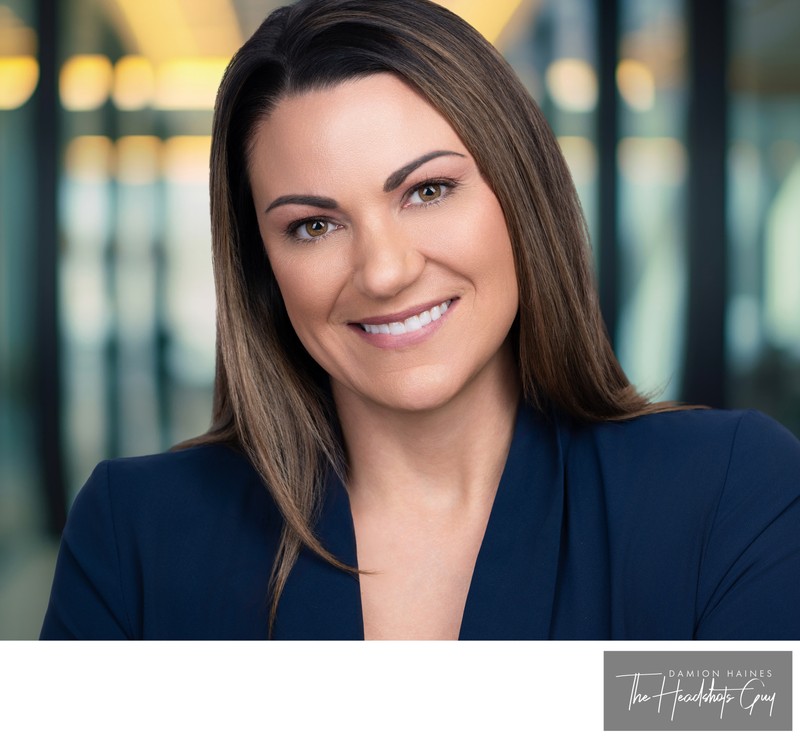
(371, 124)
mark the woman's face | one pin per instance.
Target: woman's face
(390, 251)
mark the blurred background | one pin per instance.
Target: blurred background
(680, 121)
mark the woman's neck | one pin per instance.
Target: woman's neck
(447, 457)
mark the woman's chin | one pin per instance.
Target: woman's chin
(420, 392)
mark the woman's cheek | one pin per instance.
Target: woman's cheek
(309, 284)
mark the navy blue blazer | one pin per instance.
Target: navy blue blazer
(682, 525)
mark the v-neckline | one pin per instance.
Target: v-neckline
(512, 587)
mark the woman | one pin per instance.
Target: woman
(411, 359)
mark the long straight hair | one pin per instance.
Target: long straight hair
(271, 398)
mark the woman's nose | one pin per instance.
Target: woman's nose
(387, 261)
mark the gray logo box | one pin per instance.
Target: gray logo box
(697, 691)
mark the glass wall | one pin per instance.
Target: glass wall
(652, 168)
(763, 336)
(21, 499)
(137, 85)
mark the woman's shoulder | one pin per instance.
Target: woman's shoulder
(149, 538)
(190, 464)
(686, 423)
(706, 461)
(694, 437)
(205, 481)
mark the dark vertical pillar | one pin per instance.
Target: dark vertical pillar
(111, 350)
(707, 137)
(162, 337)
(48, 367)
(607, 138)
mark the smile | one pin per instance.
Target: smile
(410, 324)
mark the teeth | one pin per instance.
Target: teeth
(414, 323)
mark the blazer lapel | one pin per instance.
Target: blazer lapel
(512, 592)
(319, 600)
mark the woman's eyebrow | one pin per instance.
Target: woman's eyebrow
(392, 181)
(312, 200)
(397, 178)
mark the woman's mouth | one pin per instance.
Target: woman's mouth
(410, 324)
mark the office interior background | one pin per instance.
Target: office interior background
(680, 120)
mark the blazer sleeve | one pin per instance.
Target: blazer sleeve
(87, 599)
(749, 585)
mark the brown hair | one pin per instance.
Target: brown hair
(271, 398)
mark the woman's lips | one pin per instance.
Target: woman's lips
(413, 323)
(403, 328)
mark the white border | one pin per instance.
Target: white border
(414, 690)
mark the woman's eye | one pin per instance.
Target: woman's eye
(428, 192)
(313, 229)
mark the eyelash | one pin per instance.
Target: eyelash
(441, 182)
(449, 184)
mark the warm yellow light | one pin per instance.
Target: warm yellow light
(572, 83)
(138, 159)
(89, 159)
(581, 157)
(134, 83)
(190, 83)
(166, 29)
(489, 18)
(186, 159)
(636, 84)
(85, 82)
(652, 161)
(19, 75)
